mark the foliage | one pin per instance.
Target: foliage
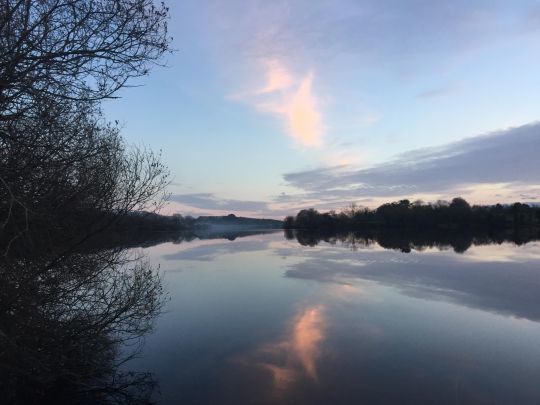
(456, 214)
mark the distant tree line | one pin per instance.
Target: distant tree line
(405, 214)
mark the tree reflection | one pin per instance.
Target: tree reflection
(68, 324)
(407, 240)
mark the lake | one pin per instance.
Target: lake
(264, 319)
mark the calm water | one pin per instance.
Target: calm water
(263, 319)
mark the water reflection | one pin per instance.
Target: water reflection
(407, 240)
(295, 356)
(501, 279)
(210, 250)
(346, 319)
(69, 322)
(263, 319)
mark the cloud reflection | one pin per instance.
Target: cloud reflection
(293, 358)
(506, 286)
(307, 336)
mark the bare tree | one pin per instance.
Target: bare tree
(58, 157)
(66, 314)
(75, 49)
(73, 169)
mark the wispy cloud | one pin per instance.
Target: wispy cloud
(500, 162)
(498, 167)
(376, 32)
(278, 78)
(438, 91)
(303, 116)
(292, 99)
(208, 201)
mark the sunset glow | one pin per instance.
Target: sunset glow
(361, 87)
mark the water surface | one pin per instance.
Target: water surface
(263, 319)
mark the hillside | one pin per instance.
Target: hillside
(231, 221)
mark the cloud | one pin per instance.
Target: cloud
(502, 166)
(303, 116)
(292, 99)
(278, 77)
(503, 160)
(207, 201)
(376, 33)
(437, 91)
(352, 45)
(533, 18)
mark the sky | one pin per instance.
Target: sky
(268, 107)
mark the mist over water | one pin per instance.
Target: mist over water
(346, 319)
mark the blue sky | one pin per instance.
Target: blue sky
(269, 107)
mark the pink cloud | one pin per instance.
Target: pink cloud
(292, 99)
(303, 115)
(278, 77)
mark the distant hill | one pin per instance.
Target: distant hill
(233, 222)
(147, 221)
